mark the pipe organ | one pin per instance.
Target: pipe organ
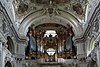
(62, 43)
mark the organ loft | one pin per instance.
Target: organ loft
(49, 33)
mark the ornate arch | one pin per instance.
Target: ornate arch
(10, 44)
(35, 16)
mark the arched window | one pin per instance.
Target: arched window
(8, 64)
(50, 32)
(10, 44)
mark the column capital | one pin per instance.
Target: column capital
(78, 40)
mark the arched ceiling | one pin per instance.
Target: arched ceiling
(39, 12)
(63, 19)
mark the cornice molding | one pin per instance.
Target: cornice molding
(90, 25)
(2, 8)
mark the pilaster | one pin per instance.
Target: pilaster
(81, 54)
(0, 54)
(80, 44)
(98, 55)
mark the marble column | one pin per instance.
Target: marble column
(0, 54)
(4, 53)
(81, 61)
(98, 55)
(80, 48)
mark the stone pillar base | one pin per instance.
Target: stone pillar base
(80, 56)
(82, 64)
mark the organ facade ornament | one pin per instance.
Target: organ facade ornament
(22, 8)
(74, 45)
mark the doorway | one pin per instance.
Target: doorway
(8, 64)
